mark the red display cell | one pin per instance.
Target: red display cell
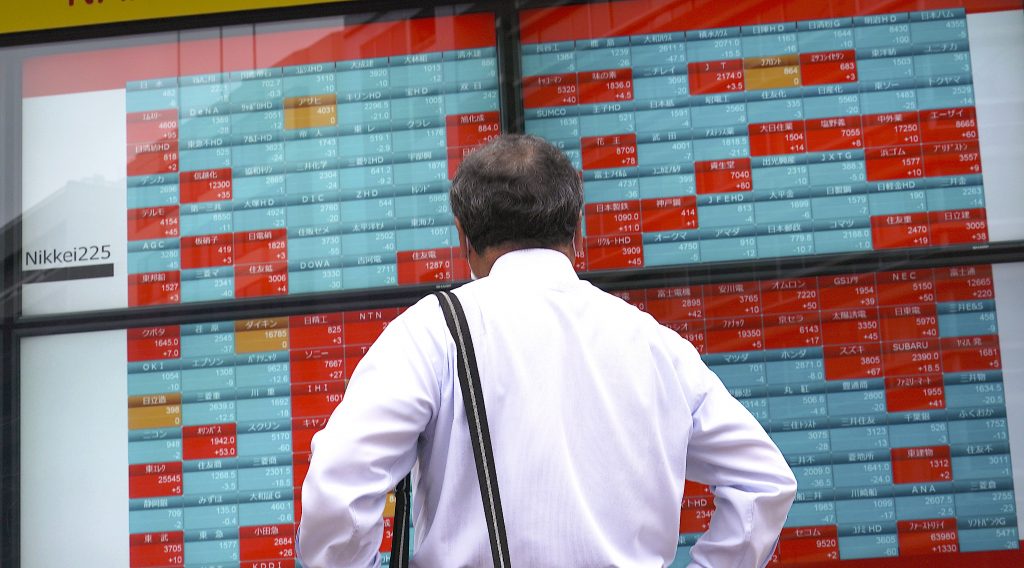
(636, 298)
(602, 152)
(303, 430)
(154, 288)
(906, 287)
(608, 86)
(315, 330)
(550, 90)
(733, 299)
(694, 489)
(809, 544)
(209, 442)
(154, 343)
(154, 480)
(612, 218)
(952, 159)
(708, 77)
(918, 392)
(962, 226)
(777, 138)
(859, 325)
(848, 291)
(735, 334)
(912, 357)
(695, 512)
(269, 245)
(949, 125)
(928, 536)
(792, 331)
(863, 361)
(316, 399)
(826, 67)
(388, 536)
(206, 251)
(472, 129)
(693, 331)
(899, 231)
(353, 355)
(971, 353)
(151, 158)
(289, 563)
(838, 133)
(613, 252)
(669, 213)
(363, 327)
(964, 283)
(427, 266)
(924, 464)
(909, 322)
(892, 129)
(893, 162)
(267, 279)
(675, 304)
(318, 364)
(153, 223)
(156, 550)
(272, 542)
(455, 157)
(205, 185)
(152, 126)
(580, 261)
(723, 176)
(300, 467)
(791, 295)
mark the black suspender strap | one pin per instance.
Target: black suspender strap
(472, 397)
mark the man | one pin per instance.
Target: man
(597, 413)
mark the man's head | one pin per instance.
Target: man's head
(517, 192)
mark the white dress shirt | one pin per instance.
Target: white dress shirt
(597, 413)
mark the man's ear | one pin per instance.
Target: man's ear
(463, 240)
(577, 237)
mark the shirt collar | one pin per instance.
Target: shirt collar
(535, 264)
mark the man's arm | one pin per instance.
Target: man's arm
(753, 485)
(369, 443)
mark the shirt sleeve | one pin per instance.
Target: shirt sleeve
(369, 443)
(752, 483)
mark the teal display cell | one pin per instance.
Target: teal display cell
(775, 111)
(211, 551)
(423, 205)
(938, 64)
(378, 242)
(659, 55)
(893, 202)
(258, 90)
(484, 69)
(789, 244)
(471, 101)
(675, 86)
(728, 249)
(868, 546)
(982, 431)
(840, 207)
(260, 478)
(355, 180)
(575, 158)
(426, 238)
(714, 49)
(373, 276)
(210, 344)
(152, 195)
(310, 248)
(670, 253)
(781, 177)
(211, 516)
(259, 218)
(802, 441)
(308, 85)
(945, 97)
(202, 96)
(811, 477)
(842, 240)
(879, 102)
(151, 99)
(605, 190)
(719, 115)
(421, 172)
(885, 69)
(607, 124)
(834, 39)
(800, 371)
(268, 512)
(200, 413)
(208, 379)
(758, 407)
(356, 145)
(606, 58)
(811, 514)
(936, 31)
(408, 111)
(259, 122)
(682, 558)
(769, 45)
(420, 140)
(535, 64)
(652, 187)
(826, 106)
(967, 468)
(859, 438)
(984, 503)
(666, 120)
(914, 507)
(865, 510)
(204, 159)
(314, 214)
(863, 475)
(888, 35)
(262, 374)
(947, 198)
(200, 127)
(269, 408)
(207, 223)
(322, 182)
(731, 215)
(867, 402)
(657, 153)
(721, 148)
(154, 451)
(155, 520)
(740, 375)
(264, 444)
(979, 394)
(977, 540)
(210, 481)
(416, 75)
(311, 149)
(363, 113)
(554, 128)
(362, 80)
(156, 382)
(154, 261)
(918, 434)
(314, 280)
(800, 406)
(368, 211)
(967, 324)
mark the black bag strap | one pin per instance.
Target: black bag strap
(476, 414)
